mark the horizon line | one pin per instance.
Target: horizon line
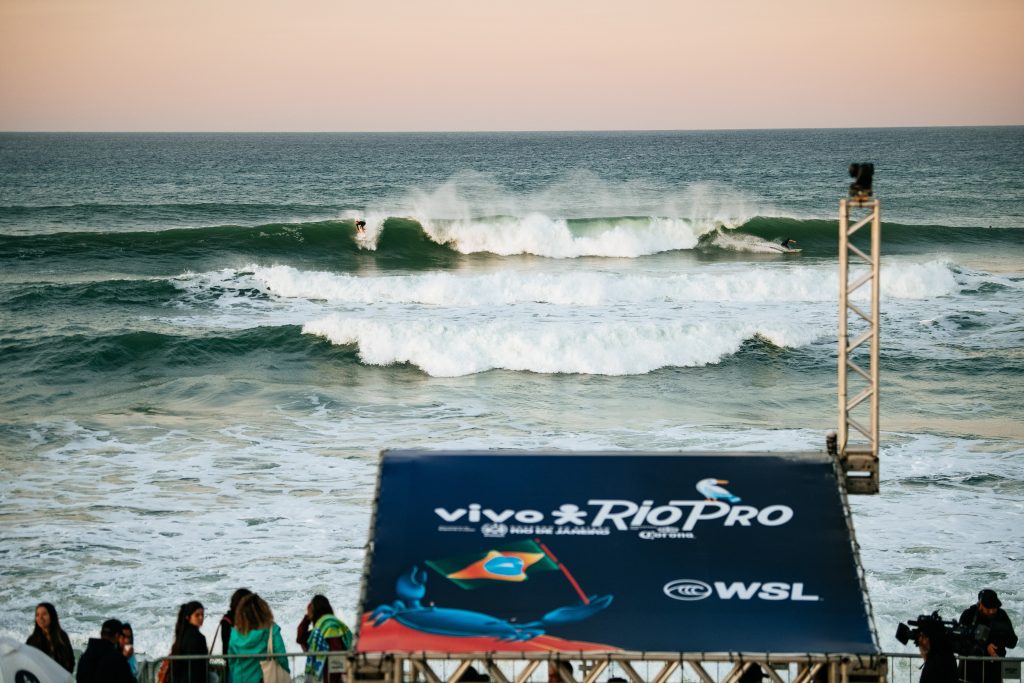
(493, 131)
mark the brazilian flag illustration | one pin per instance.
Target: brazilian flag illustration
(513, 562)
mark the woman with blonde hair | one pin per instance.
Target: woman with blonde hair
(254, 631)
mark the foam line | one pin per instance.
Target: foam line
(595, 288)
(453, 348)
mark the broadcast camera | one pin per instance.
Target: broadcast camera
(964, 640)
(862, 175)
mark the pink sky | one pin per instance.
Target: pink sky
(390, 65)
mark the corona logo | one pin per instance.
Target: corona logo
(494, 530)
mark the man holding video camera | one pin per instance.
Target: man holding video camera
(987, 614)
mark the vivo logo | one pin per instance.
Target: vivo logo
(476, 513)
(691, 589)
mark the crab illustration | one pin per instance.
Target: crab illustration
(445, 621)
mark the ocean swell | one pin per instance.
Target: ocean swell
(430, 242)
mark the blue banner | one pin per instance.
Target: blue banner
(503, 551)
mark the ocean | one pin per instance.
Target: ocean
(201, 360)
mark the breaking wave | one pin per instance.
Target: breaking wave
(451, 349)
(584, 288)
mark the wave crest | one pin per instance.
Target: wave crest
(541, 235)
(450, 349)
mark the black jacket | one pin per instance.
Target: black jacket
(939, 667)
(59, 652)
(193, 642)
(103, 662)
(1001, 632)
(227, 624)
(1001, 635)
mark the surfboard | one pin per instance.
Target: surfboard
(791, 251)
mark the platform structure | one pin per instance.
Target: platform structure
(857, 438)
(648, 567)
(438, 667)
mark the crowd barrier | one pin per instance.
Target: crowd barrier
(565, 667)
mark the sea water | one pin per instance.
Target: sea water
(201, 359)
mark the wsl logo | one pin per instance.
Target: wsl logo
(689, 590)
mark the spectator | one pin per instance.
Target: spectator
(128, 648)
(321, 631)
(753, 674)
(254, 627)
(471, 675)
(49, 637)
(189, 640)
(103, 660)
(556, 669)
(227, 622)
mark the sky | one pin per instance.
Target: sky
(472, 65)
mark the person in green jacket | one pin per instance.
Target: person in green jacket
(254, 624)
(321, 631)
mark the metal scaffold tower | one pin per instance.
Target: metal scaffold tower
(857, 448)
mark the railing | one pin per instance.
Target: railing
(563, 667)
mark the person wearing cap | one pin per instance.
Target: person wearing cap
(987, 612)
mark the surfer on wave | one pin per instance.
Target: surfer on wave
(787, 244)
(360, 228)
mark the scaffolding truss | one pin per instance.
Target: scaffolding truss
(857, 440)
(630, 667)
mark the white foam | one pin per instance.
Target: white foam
(462, 211)
(591, 288)
(742, 242)
(541, 235)
(937, 534)
(907, 280)
(175, 513)
(577, 321)
(454, 348)
(580, 194)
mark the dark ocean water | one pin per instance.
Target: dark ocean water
(201, 358)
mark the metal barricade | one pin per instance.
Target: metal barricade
(562, 667)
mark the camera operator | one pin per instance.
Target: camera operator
(937, 651)
(987, 613)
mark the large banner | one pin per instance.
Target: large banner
(643, 552)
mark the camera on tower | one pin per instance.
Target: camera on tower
(862, 175)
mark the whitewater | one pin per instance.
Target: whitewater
(200, 366)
